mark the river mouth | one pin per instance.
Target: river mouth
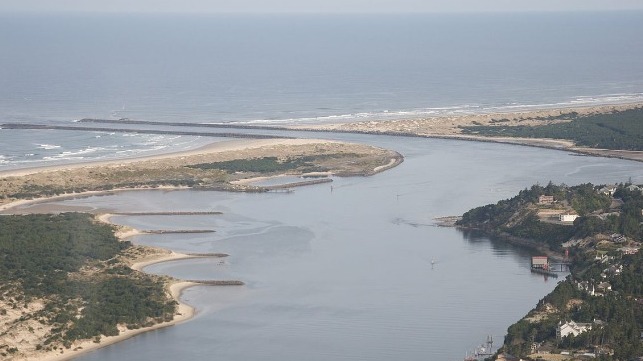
(359, 270)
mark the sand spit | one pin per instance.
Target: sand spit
(213, 148)
(450, 127)
(173, 171)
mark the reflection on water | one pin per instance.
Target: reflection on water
(356, 273)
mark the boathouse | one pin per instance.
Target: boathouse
(539, 262)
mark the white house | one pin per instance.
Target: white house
(608, 190)
(568, 217)
(571, 328)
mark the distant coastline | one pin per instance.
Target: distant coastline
(439, 126)
(451, 127)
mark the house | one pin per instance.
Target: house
(613, 270)
(571, 328)
(545, 199)
(568, 217)
(603, 287)
(628, 250)
(618, 238)
(587, 287)
(633, 188)
(607, 190)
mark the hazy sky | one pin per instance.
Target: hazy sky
(314, 6)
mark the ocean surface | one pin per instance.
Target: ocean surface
(341, 275)
(261, 69)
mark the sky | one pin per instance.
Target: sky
(313, 6)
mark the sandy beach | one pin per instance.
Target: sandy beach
(174, 288)
(213, 148)
(184, 313)
(450, 127)
(173, 171)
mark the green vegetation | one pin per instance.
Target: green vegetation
(620, 312)
(71, 264)
(271, 164)
(517, 217)
(39, 250)
(104, 179)
(616, 130)
(606, 224)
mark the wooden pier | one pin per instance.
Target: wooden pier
(544, 272)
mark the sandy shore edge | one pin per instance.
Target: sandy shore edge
(448, 126)
(184, 313)
(175, 288)
(215, 147)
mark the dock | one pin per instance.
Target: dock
(541, 265)
(544, 272)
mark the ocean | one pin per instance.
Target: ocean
(341, 275)
(275, 69)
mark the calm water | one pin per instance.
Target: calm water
(342, 275)
(258, 69)
(346, 275)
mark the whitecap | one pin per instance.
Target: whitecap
(48, 146)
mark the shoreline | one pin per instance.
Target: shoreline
(25, 202)
(214, 147)
(184, 313)
(449, 127)
(174, 288)
(440, 126)
(169, 171)
(450, 222)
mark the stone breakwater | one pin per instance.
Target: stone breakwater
(141, 131)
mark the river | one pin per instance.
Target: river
(346, 273)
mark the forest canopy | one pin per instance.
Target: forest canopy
(617, 130)
(71, 263)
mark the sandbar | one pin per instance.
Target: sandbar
(449, 126)
(215, 147)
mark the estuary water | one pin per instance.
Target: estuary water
(346, 274)
(330, 275)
